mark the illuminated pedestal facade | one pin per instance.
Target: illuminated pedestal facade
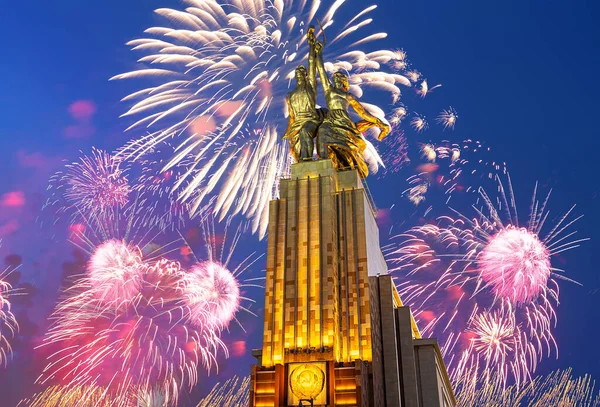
(327, 314)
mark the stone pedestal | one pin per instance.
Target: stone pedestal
(323, 317)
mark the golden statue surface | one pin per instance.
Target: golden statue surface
(301, 103)
(337, 136)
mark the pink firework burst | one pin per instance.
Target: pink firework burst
(395, 151)
(115, 271)
(514, 261)
(8, 323)
(212, 293)
(156, 189)
(498, 346)
(147, 343)
(467, 275)
(94, 185)
(125, 326)
(213, 290)
(493, 335)
(516, 264)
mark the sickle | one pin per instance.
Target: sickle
(322, 32)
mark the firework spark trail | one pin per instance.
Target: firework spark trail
(447, 168)
(8, 323)
(394, 153)
(131, 321)
(470, 279)
(424, 88)
(419, 123)
(155, 190)
(138, 325)
(95, 185)
(212, 287)
(233, 393)
(226, 66)
(92, 396)
(212, 293)
(146, 343)
(447, 118)
(115, 272)
(63, 396)
(558, 389)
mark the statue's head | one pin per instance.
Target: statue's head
(340, 81)
(301, 75)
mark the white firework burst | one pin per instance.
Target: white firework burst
(220, 72)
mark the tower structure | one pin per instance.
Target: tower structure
(335, 331)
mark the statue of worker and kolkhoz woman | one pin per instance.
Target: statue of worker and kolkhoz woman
(332, 130)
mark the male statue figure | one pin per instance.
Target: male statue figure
(338, 137)
(301, 102)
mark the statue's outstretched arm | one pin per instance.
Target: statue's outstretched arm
(292, 117)
(321, 68)
(312, 64)
(368, 119)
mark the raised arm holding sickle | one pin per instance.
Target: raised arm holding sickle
(338, 137)
(301, 102)
(312, 63)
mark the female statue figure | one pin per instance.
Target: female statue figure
(301, 102)
(338, 137)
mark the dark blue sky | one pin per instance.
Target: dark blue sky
(521, 74)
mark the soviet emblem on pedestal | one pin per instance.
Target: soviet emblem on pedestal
(307, 382)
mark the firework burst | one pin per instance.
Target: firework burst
(417, 191)
(233, 393)
(212, 290)
(151, 398)
(447, 118)
(398, 114)
(399, 63)
(498, 348)
(558, 389)
(227, 65)
(8, 323)
(424, 88)
(419, 123)
(155, 190)
(429, 152)
(63, 396)
(212, 293)
(115, 271)
(413, 75)
(146, 343)
(431, 176)
(446, 168)
(96, 185)
(127, 324)
(484, 285)
(516, 264)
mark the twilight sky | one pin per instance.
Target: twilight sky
(521, 74)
